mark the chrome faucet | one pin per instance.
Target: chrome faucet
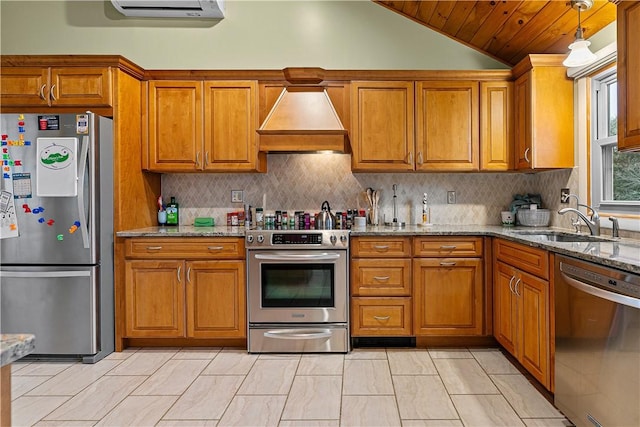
(576, 220)
(593, 223)
(615, 232)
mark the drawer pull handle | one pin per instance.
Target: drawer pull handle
(381, 278)
(382, 317)
(381, 247)
(451, 247)
(215, 248)
(52, 93)
(178, 274)
(44, 98)
(189, 274)
(445, 263)
(154, 248)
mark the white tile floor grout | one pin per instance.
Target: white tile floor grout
(229, 387)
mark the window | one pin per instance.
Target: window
(615, 176)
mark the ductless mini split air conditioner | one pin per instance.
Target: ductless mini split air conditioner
(170, 8)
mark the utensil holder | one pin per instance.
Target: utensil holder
(372, 216)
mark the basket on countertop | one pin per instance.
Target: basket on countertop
(533, 218)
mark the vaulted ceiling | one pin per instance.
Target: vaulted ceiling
(507, 30)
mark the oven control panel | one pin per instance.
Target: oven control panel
(296, 239)
(292, 239)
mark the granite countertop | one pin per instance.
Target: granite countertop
(15, 346)
(184, 231)
(623, 253)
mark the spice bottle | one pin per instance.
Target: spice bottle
(259, 218)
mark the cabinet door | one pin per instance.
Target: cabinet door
(80, 87)
(505, 306)
(24, 86)
(216, 299)
(382, 126)
(628, 72)
(230, 123)
(522, 101)
(175, 126)
(448, 296)
(533, 351)
(496, 126)
(447, 126)
(154, 303)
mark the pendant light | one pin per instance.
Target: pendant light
(579, 53)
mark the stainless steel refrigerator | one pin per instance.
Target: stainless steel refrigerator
(56, 233)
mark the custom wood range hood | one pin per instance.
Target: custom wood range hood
(303, 118)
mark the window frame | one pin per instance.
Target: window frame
(601, 179)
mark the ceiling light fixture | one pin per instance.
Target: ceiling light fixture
(580, 54)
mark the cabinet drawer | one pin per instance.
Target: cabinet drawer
(531, 260)
(193, 248)
(380, 316)
(376, 247)
(381, 277)
(450, 246)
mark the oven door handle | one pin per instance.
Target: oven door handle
(298, 334)
(297, 257)
(601, 293)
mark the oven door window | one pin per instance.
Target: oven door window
(298, 285)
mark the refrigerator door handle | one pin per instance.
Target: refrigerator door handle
(84, 154)
(53, 273)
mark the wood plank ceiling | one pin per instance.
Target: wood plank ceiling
(507, 30)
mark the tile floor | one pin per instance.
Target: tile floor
(228, 387)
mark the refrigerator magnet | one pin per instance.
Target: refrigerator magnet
(82, 124)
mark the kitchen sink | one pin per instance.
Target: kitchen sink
(559, 236)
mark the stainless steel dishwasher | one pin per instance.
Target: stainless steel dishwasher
(597, 359)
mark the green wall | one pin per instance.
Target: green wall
(253, 35)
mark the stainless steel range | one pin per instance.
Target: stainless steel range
(297, 291)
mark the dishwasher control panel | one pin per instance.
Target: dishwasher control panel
(603, 277)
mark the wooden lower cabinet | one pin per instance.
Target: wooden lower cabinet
(448, 286)
(200, 296)
(381, 316)
(522, 315)
(380, 281)
(216, 299)
(154, 299)
(448, 296)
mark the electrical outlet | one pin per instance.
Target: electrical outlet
(451, 197)
(237, 196)
(564, 195)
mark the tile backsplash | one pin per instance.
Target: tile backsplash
(304, 181)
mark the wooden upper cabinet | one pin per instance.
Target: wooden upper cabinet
(628, 76)
(202, 126)
(543, 114)
(447, 126)
(56, 87)
(382, 126)
(230, 123)
(175, 126)
(496, 126)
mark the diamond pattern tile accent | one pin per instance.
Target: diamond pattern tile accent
(304, 181)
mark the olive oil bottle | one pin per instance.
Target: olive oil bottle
(173, 212)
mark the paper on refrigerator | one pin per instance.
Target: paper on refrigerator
(56, 170)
